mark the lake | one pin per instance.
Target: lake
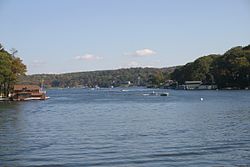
(110, 127)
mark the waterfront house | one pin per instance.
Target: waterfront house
(28, 92)
(189, 85)
(196, 85)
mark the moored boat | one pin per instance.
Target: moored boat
(164, 94)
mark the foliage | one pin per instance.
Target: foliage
(108, 78)
(157, 79)
(11, 67)
(231, 69)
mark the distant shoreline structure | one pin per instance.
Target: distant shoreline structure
(25, 93)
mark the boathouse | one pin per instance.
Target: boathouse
(192, 84)
(28, 92)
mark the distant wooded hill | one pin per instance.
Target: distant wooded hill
(230, 70)
(107, 78)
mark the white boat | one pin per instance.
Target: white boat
(35, 98)
(153, 93)
(158, 94)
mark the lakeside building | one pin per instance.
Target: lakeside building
(196, 85)
(28, 92)
(190, 85)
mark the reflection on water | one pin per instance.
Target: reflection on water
(110, 127)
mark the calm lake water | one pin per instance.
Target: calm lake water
(80, 127)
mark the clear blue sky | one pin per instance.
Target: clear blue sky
(57, 36)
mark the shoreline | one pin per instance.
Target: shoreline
(89, 88)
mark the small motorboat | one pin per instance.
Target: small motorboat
(153, 94)
(164, 94)
(156, 94)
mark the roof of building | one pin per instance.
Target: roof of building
(27, 87)
(193, 82)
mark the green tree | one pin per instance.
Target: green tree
(11, 67)
(231, 69)
(5, 71)
(156, 79)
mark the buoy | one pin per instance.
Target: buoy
(201, 99)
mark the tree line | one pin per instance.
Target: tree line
(11, 67)
(230, 70)
(107, 78)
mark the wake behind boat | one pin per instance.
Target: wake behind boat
(156, 94)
